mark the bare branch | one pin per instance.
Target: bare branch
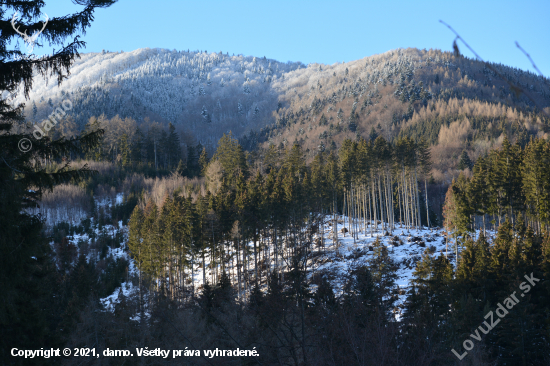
(462, 39)
(517, 89)
(15, 170)
(530, 59)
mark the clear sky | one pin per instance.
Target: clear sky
(322, 31)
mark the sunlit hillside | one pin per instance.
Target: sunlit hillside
(455, 103)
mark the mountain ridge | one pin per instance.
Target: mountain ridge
(263, 101)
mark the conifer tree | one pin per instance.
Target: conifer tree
(434, 275)
(510, 177)
(465, 268)
(324, 296)
(203, 161)
(478, 190)
(231, 156)
(192, 162)
(464, 161)
(450, 215)
(424, 158)
(271, 158)
(464, 209)
(500, 259)
(25, 258)
(173, 147)
(181, 169)
(536, 180)
(373, 134)
(384, 274)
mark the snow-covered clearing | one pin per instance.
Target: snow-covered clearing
(405, 246)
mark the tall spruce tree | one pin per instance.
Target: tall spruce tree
(193, 168)
(424, 157)
(464, 161)
(536, 181)
(25, 261)
(232, 158)
(203, 161)
(173, 147)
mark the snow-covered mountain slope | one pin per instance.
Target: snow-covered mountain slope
(204, 92)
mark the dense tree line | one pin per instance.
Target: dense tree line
(446, 304)
(373, 184)
(258, 230)
(304, 320)
(412, 93)
(207, 92)
(259, 246)
(510, 182)
(147, 148)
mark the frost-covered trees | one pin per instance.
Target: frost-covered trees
(240, 109)
(172, 85)
(202, 92)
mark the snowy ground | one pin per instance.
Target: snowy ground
(71, 214)
(405, 246)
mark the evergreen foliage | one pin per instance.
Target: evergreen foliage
(510, 182)
(464, 161)
(28, 273)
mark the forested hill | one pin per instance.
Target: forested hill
(456, 104)
(205, 94)
(459, 105)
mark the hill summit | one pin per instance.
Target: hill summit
(457, 104)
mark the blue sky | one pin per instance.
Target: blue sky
(322, 31)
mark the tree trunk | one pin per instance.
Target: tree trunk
(427, 207)
(255, 260)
